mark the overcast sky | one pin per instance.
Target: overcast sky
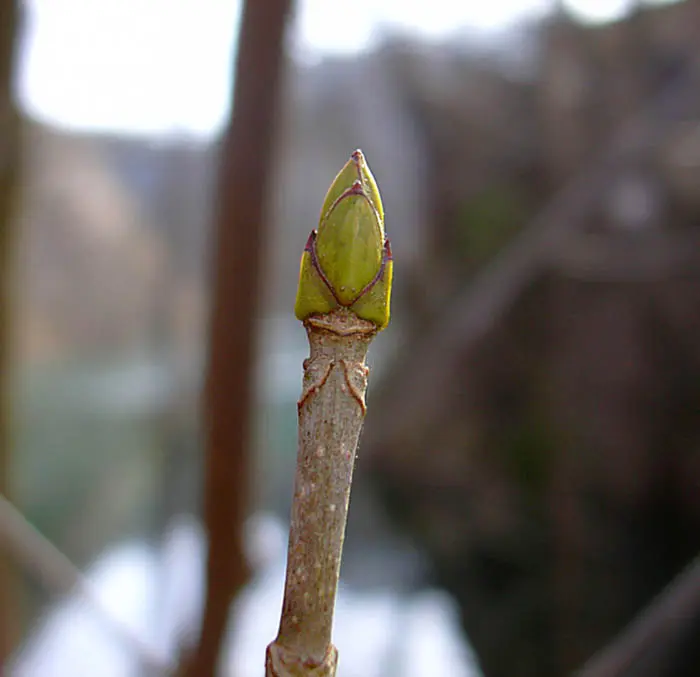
(163, 66)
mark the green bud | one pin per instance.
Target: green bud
(347, 262)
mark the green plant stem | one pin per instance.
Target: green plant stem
(331, 412)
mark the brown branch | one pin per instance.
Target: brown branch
(10, 620)
(244, 174)
(648, 646)
(37, 555)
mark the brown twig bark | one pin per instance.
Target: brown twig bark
(9, 174)
(246, 158)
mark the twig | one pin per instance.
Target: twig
(655, 631)
(241, 228)
(58, 574)
(343, 300)
(10, 178)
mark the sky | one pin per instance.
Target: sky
(162, 67)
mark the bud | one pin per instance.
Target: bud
(347, 262)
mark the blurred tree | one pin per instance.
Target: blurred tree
(9, 172)
(244, 173)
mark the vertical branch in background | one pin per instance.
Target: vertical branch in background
(245, 164)
(9, 170)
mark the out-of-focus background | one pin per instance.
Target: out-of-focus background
(529, 475)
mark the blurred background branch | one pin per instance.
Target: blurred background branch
(668, 628)
(35, 554)
(9, 181)
(240, 238)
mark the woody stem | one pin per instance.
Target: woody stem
(331, 412)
